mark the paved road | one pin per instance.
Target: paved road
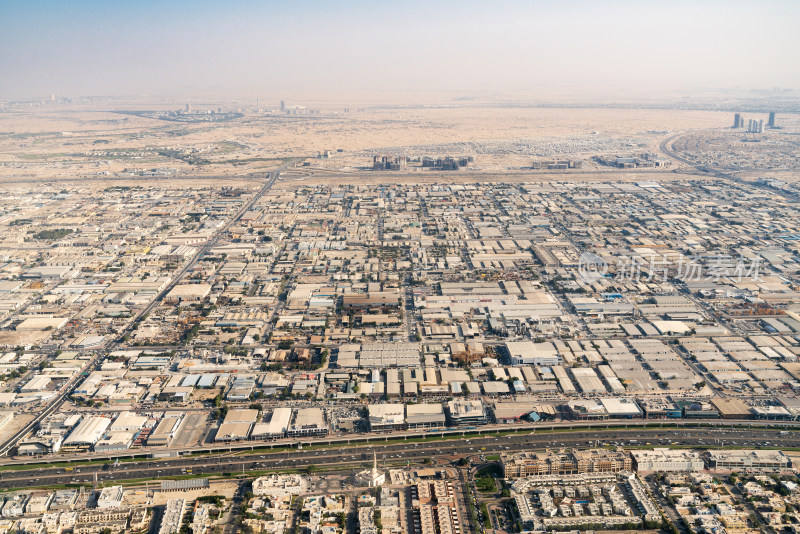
(397, 453)
(54, 405)
(69, 387)
(368, 439)
(724, 174)
(210, 244)
(665, 505)
(155, 522)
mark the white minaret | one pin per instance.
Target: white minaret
(372, 477)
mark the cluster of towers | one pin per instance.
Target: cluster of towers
(388, 163)
(753, 125)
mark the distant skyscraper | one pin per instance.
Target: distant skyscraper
(738, 122)
(188, 108)
(771, 121)
(283, 105)
(755, 126)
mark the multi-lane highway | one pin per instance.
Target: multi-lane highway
(394, 453)
(354, 440)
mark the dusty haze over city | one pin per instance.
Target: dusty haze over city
(399, 267)
(373, 51)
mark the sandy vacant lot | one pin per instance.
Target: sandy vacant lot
(17, 424)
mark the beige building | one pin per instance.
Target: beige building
(527, 464)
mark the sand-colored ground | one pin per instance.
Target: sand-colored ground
(64, 142)
(102, 143)
(17, 424)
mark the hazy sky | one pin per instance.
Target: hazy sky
(269, 48)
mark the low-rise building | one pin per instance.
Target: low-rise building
(425, 416)
(87, 433)
(386, 417)
(172, 518)
(110, 497)
(663, 459)
(308, 422)
(466, 412)
(573, 462)
(280, 485)
(749, 460)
